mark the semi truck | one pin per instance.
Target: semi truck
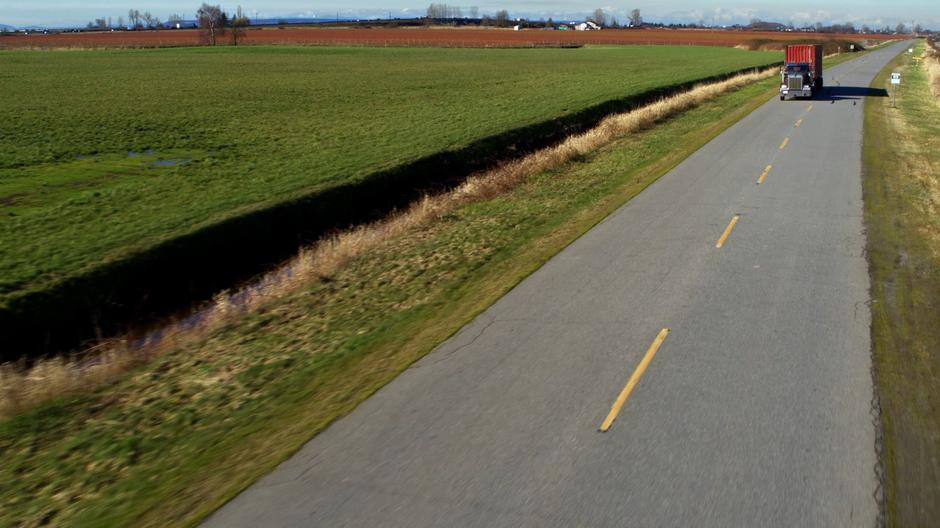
(802, 74)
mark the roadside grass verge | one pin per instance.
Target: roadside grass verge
(931, 56)
(902, 217)
(176, 437)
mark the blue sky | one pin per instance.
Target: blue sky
(871, 12)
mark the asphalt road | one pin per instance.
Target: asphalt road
(755, 411)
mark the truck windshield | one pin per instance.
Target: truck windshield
(796, 69)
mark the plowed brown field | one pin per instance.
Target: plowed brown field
(420, 37)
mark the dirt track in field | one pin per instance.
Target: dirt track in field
(421, 37)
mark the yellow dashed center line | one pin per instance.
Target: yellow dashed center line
(784, 144)
(810, 109)
(764, 174)
(724, 236)
(798, 123)
(634, 379)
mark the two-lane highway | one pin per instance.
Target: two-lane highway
(716, 328)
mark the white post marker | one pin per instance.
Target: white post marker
(895, 81)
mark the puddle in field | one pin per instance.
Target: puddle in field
(148, 152)
(171, 162)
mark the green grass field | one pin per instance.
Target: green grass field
(104, 154)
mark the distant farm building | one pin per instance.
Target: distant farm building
(587, 26)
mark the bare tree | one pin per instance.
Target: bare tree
(133, 18)
(474, 12)
(175, 19)
(600, 17)
(211, 22)
(900, 28)
(918, 28)
(120, 22)
(148, 19)
(635, 19)
(239, 22)
(502, 18)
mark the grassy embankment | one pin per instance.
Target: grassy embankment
(175, 438)
(902, 215)
(220, 133)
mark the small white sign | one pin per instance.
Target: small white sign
(910, 50)
(895, 78)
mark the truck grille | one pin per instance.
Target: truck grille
(795, 83)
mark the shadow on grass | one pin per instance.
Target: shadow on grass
(170, 279)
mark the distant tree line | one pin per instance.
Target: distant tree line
(445, 12)
(135, 20)
(442, 11)
(604, 19)
(214, 23)
(819, 27)
(500, 19)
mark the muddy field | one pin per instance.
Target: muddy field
(426, 37)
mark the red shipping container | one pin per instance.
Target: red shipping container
(811, 54)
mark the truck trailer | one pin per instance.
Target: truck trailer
(802, 74)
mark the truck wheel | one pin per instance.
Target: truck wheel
(781, 98)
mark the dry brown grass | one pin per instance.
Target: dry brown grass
(22, 388)
(931, 60)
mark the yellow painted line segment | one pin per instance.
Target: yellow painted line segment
(810, 109)
(724, 236)
(764, 174)
(634, 379)
(784, 144)
(798, 123)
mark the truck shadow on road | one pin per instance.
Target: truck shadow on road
(838, 93)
